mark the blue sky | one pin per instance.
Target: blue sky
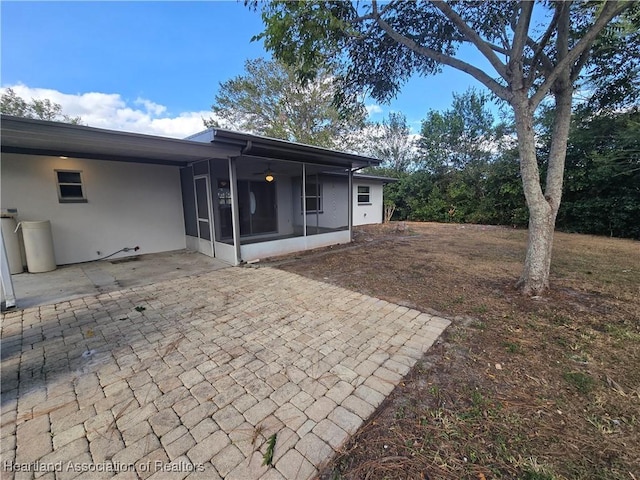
(153, 66)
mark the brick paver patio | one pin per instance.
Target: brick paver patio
(188, 378)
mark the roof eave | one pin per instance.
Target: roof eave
(260, 146)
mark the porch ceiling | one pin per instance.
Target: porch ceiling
(38, 137)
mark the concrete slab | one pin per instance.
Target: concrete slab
(194, 377)
(75, 281)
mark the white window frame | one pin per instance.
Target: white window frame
(367, 193)
(317, 197)
(64, 199)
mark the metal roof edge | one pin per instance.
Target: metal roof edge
(230, 136)
(375, 177)
(88, 129)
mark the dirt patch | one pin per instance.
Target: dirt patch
(537, 388)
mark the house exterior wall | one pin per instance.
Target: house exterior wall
(128, 204)
(365, 214)
(335, 204)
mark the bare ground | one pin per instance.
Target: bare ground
(528, 388)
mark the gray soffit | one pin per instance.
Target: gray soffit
(271, 148)
(39, 137)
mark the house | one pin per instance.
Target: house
(235, 196)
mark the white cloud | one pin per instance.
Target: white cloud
(151, 107)
(373, 109)
(111, 111)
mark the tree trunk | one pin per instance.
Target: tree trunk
(535, 276)
(543, 207)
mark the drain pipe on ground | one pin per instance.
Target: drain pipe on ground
(125, 249)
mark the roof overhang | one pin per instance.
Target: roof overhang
(377, 178)
(40, 137)
(271, 148)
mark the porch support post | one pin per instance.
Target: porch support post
(304, 199)
(235, 212)
(317, 205)
(350, 205)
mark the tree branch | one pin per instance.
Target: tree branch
(538, 47)
(577, 68)
(610, 10)
(465, 67)
(498, 48)
(546, 65)
(472, 36)
(520, 32)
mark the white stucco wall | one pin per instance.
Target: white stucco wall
(335, 204)
(129, 204)
(365, 214)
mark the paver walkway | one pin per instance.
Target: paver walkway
(189, 378)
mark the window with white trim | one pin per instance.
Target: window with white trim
(70, 187)
(364, 194)
(313, 197)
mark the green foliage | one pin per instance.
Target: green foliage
(268, 100)
(13, 104)
(463, 176)
(582, 382)
(391, 142)
(460, 136)
(601, 188)
(612, 78)
(467, 175)
(267, 458)
(602, 181)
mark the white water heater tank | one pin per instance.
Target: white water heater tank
(11, 242)
(38, 245)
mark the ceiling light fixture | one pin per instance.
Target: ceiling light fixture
(269, 177)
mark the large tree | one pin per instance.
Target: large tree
(13, 104)
(269, 100)
(464, 135)
(457, 146)
(531, 59)
(391, 141)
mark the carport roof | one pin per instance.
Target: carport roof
(41, 137)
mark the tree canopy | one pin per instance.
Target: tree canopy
(269, 100)
(391, 141)
(13, 104)
(381, 45)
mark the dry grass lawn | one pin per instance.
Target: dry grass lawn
(527, 388)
